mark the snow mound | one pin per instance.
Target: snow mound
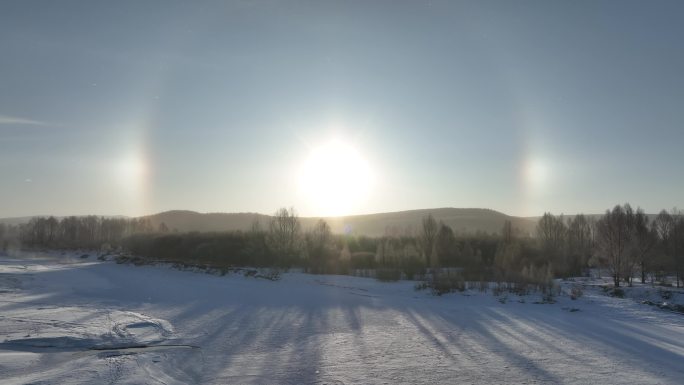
(83, 329)
(146, 330)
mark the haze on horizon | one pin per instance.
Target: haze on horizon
(340, 108)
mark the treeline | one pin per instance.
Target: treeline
(80, 232)
(623, 243)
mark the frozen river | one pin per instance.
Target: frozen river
(67, 320)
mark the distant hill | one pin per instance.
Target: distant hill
(462, 220)
(13, 221)
(401, 222)
(184, 220)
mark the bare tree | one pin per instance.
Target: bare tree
(662, 225)
(163, 228)
(427, 237)
(678, 245)
(669, 228)
(52, 225)
(284, 233)
(614, 232)
(580, 242)
(551, 233)
(89, 225)
(507, 231)
(319, 245)
(69, 229)
(445, 245)
(644, 240)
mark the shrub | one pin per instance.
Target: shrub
(362, 260)
(617, 292)
(665, 294)
(499, 289)
(271, 274)
(442, 283)
(421, 286)
(412, 267)
(576, 292)
(549, 298)
(388, 275)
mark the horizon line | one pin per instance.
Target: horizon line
(300, 216)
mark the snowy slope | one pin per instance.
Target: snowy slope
(66, 320)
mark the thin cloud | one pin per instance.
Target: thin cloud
(4, 119)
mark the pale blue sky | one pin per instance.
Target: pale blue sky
(135, 107)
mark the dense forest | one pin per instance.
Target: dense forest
(623, 243)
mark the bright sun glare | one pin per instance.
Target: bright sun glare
(335, 179)
(536, 175)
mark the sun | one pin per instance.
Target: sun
(335, 179)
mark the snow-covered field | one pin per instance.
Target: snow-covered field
(67, 320)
